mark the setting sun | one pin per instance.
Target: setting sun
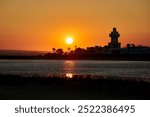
(69, 40)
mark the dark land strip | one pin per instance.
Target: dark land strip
(17, 87)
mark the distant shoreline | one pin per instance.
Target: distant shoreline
(105, 57)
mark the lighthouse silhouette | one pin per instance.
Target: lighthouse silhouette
(114, 44)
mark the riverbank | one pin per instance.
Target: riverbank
(78, 87)
(132, 57)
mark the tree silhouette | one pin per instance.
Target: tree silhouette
(59, 51)
(69, 49)
(53, 50)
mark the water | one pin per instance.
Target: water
(78, 67)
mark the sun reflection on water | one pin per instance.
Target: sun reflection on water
(69, 75)
(69, 68)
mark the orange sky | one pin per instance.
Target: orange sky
(44, 24)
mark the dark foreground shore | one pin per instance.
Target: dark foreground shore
(15, 87)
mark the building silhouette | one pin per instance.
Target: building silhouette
(114, 44)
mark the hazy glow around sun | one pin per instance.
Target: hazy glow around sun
(69, 40)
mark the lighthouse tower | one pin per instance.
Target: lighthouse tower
(114, 44)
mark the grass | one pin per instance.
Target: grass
(17, 87)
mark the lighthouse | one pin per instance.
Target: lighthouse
(114, 35)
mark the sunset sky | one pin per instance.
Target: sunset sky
(45, 24)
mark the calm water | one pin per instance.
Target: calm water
(81, 67)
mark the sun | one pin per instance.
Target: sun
(69, 40)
